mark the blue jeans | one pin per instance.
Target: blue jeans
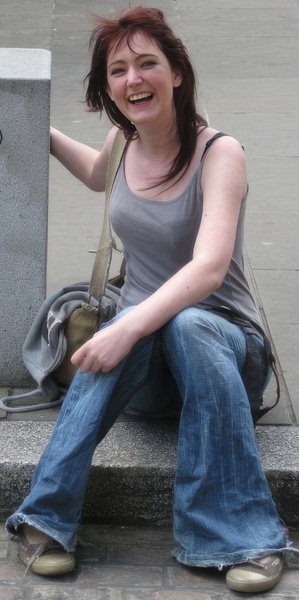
(223, 509)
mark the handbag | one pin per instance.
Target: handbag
(71, 316)
(253, 373)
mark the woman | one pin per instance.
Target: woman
(178, 205)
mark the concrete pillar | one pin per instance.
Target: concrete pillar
(24, 159)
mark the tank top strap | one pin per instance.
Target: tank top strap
(210, 142)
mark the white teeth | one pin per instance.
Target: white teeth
(141, 96)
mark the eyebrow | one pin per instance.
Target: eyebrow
(122, 62)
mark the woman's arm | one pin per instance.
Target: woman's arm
(222, 194)
(85, 163)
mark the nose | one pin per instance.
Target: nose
(133, 76)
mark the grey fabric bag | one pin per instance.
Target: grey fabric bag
(45, 344)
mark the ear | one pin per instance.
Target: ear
(177, 79)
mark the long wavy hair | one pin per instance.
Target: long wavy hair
(109, 33)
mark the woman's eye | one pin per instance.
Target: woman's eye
(118, 71)
(148, 64)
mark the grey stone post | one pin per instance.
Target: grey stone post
(24, 159)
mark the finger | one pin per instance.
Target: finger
(78, 357)
(90, 361)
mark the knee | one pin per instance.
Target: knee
(195, 329)
(190, 319)
(188, 324)
(182, 320)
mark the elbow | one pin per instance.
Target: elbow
(214, 276)
(94, 187)
(212, 272)
(217, 278)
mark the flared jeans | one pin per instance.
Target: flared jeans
(223, 509)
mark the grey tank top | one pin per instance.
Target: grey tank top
(158, 240)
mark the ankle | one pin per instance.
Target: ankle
(33, 535)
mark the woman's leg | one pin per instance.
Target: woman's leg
(159, 397)
(54, 504)
(223, 509)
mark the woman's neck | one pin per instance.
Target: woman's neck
(158, 145)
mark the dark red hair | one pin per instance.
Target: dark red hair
(150, 21)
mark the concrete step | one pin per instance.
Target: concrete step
(131, 480)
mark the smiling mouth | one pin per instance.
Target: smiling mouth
(140, 98)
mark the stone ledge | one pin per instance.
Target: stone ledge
(133, 470)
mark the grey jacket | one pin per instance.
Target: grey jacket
(45, 344)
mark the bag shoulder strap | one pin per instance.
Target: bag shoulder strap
(102, 261)
(117, 151)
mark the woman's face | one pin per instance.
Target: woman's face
(141, 80)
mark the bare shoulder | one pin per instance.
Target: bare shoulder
(223, 146)
(226, 157)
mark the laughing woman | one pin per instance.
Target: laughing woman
(178, 205)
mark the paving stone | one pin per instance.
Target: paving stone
(182, 596)
(140, 595)
(195, 578)
(11, 594)
(148, 556)
(59, 593)
(120, 575)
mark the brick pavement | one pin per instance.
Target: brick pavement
(128, 563)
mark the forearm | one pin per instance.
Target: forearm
(111, 344)
(76, 157)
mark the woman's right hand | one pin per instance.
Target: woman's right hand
(105, 350)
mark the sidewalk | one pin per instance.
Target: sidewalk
(129, 563)
(246, 57)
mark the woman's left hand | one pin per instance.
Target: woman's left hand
(105, 349)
